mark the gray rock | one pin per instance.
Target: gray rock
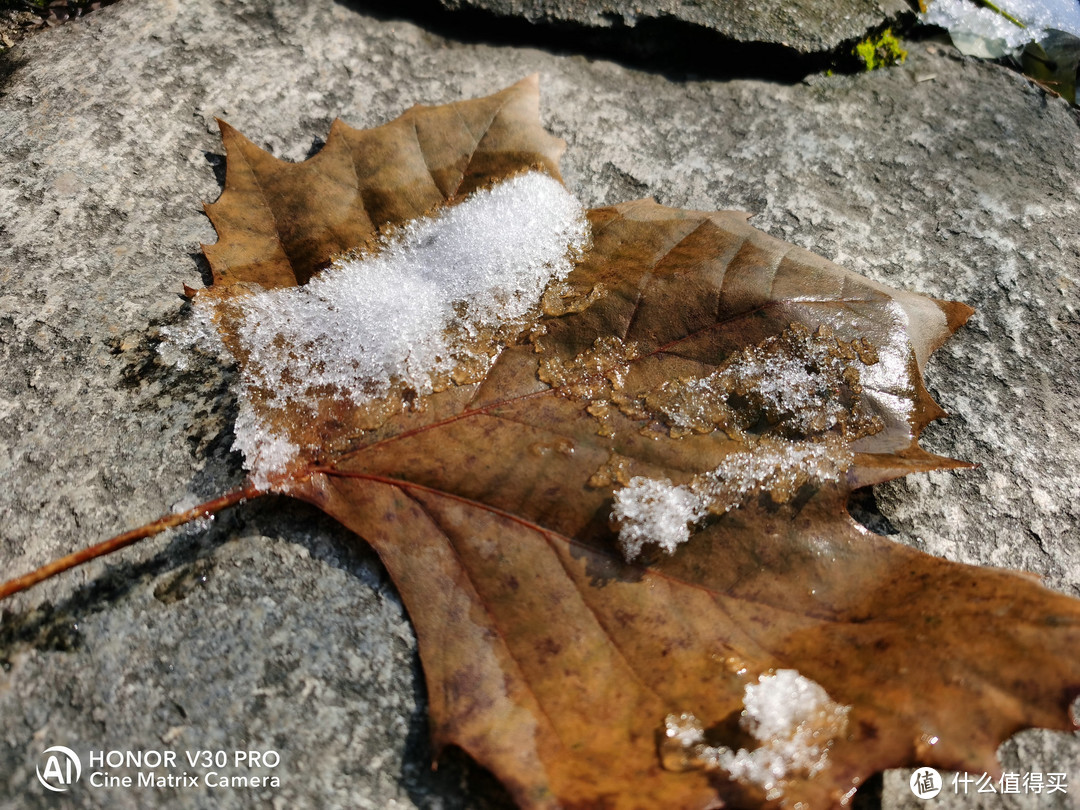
(275, 629)
(804, 26)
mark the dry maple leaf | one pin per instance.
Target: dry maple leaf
(617, 517)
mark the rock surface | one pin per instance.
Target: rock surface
(275, 629)
(805, 26)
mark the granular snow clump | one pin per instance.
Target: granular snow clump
(652, 511)
(434, 301)
(792, 717)
(978, 30)
(816, 395)
(656, 511)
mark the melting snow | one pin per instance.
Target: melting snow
(652, 511)
(792, 380)
(980, 31)
(437, 295)
(656, 511)
(809, 390)
(792, 717)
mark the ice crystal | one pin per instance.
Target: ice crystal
(796, 382)
(196, 335)
(792, 717)
(657, 511)
(652, 511)
(987, 32)
(432, 303)
(795, 402)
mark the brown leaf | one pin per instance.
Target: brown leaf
(278, 223)
(548, 656)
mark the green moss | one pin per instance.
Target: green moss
(881, 51)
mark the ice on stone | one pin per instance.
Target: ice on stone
(792, 718)
(440, 294)
(979, 31)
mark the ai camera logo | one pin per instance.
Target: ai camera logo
(926, 783)
(62, 768)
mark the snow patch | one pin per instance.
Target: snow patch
(656, 511)
(807, 388)
(800, 383)
(652, 511)
(792, 717)
(432, 304)
(979, 31)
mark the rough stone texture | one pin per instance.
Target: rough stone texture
(276, 629)
(805, 26)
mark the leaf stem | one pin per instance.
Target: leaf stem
(77, 558)
(988, 4)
